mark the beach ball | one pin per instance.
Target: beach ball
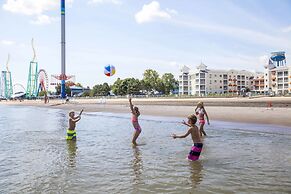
(109, 70)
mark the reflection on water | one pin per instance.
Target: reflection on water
(137, 165)
(36, 158)
(195, 173)
(72, 152)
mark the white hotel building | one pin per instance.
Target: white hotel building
(202, 81)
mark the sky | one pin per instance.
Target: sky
(134, 35)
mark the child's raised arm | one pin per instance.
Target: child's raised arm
(182, 136)
(130, 104)
(76, 119)
(79, 116)
(81, 112)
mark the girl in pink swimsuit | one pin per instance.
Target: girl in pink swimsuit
(201, 112)
(135, 114)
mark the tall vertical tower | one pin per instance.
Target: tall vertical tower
(63, 50)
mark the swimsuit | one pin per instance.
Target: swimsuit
(135, 123)
(71, 134)
(195, 151)
(200, 112)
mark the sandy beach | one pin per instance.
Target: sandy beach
(265, 110)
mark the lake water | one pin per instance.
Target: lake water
(237, 158)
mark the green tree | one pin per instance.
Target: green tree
(116, 87)
(42, 93)
(100, 90)
(130, 86)
(86, 93)
(151, 81)
(169, 83)
(105, 89)
(79, 85)
(67, 89)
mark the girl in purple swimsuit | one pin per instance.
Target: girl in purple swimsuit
(134, 119)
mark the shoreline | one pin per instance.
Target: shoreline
(237, 112)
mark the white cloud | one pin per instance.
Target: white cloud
(172, 11)
(116, 2)
(287, 29)
(151, 12)
(29, 7)
(44, 19)
(35, 8)
(7, 42)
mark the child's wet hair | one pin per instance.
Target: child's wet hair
(193, 118)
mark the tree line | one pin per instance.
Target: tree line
(151, 83)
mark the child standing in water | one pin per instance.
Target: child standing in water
(137, 129)
(195, 134)
(201, 112)
(71, 132)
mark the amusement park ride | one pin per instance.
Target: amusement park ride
(37, 80)
(6, 89)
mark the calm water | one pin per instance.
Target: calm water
(35, 157)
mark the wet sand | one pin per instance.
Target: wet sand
(267, 110)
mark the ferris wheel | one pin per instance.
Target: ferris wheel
(43, 81)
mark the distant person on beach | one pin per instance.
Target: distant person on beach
(195, 134)
(201, 112)
(71, 132)
(67, 99)
(134, 119)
